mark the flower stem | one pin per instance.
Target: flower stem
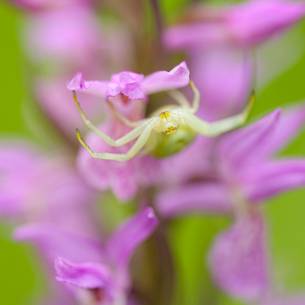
(155, 4)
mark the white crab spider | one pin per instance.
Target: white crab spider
(165, 132)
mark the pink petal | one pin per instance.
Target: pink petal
(241, 25)
(267, 179)
(242, 146)
(256, 21)
(53, 242)
(37, 5)
(199, 35)
(130, 235)
(291, 123)
(161, 81)
(238, 259)
(127, 83)
(284, 300)
(83, 275)
(57, 103)
(194, 198)
(79, 84)
(18, 162)
(69, 35)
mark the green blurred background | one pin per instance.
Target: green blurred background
(20, 278)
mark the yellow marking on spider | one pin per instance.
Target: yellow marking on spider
(168, 123)
(170, 130)
(165, 115)
(83, 142)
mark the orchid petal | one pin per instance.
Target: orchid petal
(290, 124)
(238, 259)
(284, 300)
(68, 35)
(163, 80)
(53, 242)
(128, 237)
(256, 21)
(79, 84)
(17, 161)
(192, 36)
(194, 198)
(83, 275)
(242, 146)
(242, 25)
(267, 179)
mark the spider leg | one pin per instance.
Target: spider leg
(179, 98)
(196, 98)
(137, 146)
(122, 118)
(182, 100)
(110, 141)
(217, 128)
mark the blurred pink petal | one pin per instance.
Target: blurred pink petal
(291, 123)
(192, 162)
(127, 238)
(268, 179)
(83, 275)
(57, 102)
(242, 146)
(238, 259)
(242, 25)
(109, 273)
(39, 188)
(38, 5)
(194, 198)
(69, 35)
(53, 241)
(256, 21)
(16, 169)
(284, 300)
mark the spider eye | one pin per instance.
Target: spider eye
(168, 123)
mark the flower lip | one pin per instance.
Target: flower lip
(133, 86)
(127, 84)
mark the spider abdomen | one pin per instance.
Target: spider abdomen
(166, 144)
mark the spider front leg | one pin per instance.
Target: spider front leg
(133, 134)
(219, 127)
(196, 98)
(122, 118)
(179, 98)
(136, 148)
(182, 100)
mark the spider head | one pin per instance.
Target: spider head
(168, 123)
(172, 135)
